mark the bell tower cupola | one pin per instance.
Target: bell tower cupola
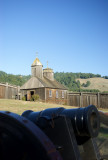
(48, 73)
(36, 69)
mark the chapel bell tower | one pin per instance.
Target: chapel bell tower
(48, 73)
(36, 69)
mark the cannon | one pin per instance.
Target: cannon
(51, 134)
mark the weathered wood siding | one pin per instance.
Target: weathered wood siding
(8, 91)
(2, 91)
(74, 99)
(104, 100)
(53, 98)
(88, 98)
(37, 71)
(12, 92)
(84, 99)
(41, 93)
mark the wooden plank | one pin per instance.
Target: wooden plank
(84, 99)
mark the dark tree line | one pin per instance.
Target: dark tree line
(18, 80)
(106, 77)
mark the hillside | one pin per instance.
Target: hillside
(17, 80)
(95, 83)
(70, 80)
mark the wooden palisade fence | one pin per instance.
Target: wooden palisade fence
(82, 99)
(8, 91)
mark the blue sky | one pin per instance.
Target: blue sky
(72, 35)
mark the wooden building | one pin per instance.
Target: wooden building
(8, 91)
(42, 82)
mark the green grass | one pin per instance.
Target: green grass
(103, 131)
(19, 106)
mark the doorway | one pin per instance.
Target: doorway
(32, 93)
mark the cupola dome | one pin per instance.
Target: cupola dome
(36, 69)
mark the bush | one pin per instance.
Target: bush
(89, 90)
(106, 77)
(105, 92)
(35, 97)
(24, 98)
(86, 84)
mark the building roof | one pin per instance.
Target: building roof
(47, 70)
(36, 62)
(36, 82)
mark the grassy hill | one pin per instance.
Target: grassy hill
(95, 83)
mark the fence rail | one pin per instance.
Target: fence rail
(82, 99)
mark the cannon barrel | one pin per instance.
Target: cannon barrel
(85, 121)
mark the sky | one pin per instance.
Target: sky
(72, 35)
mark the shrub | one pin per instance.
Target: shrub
(35, 97)
(31, 99)
(24, 98)
(86, 84)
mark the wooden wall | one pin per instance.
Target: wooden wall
(104, 100)
(54, 99)
(44, 95)
(8, 91)
(2, 91)
(84, 99)
(41, 93)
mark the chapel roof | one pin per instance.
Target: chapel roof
(36, 62)
(36, 82)
(47, 70)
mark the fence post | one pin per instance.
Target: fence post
(81, 100)
(98, 100)
(6, 91)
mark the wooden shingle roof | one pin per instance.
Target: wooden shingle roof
(36, 82)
